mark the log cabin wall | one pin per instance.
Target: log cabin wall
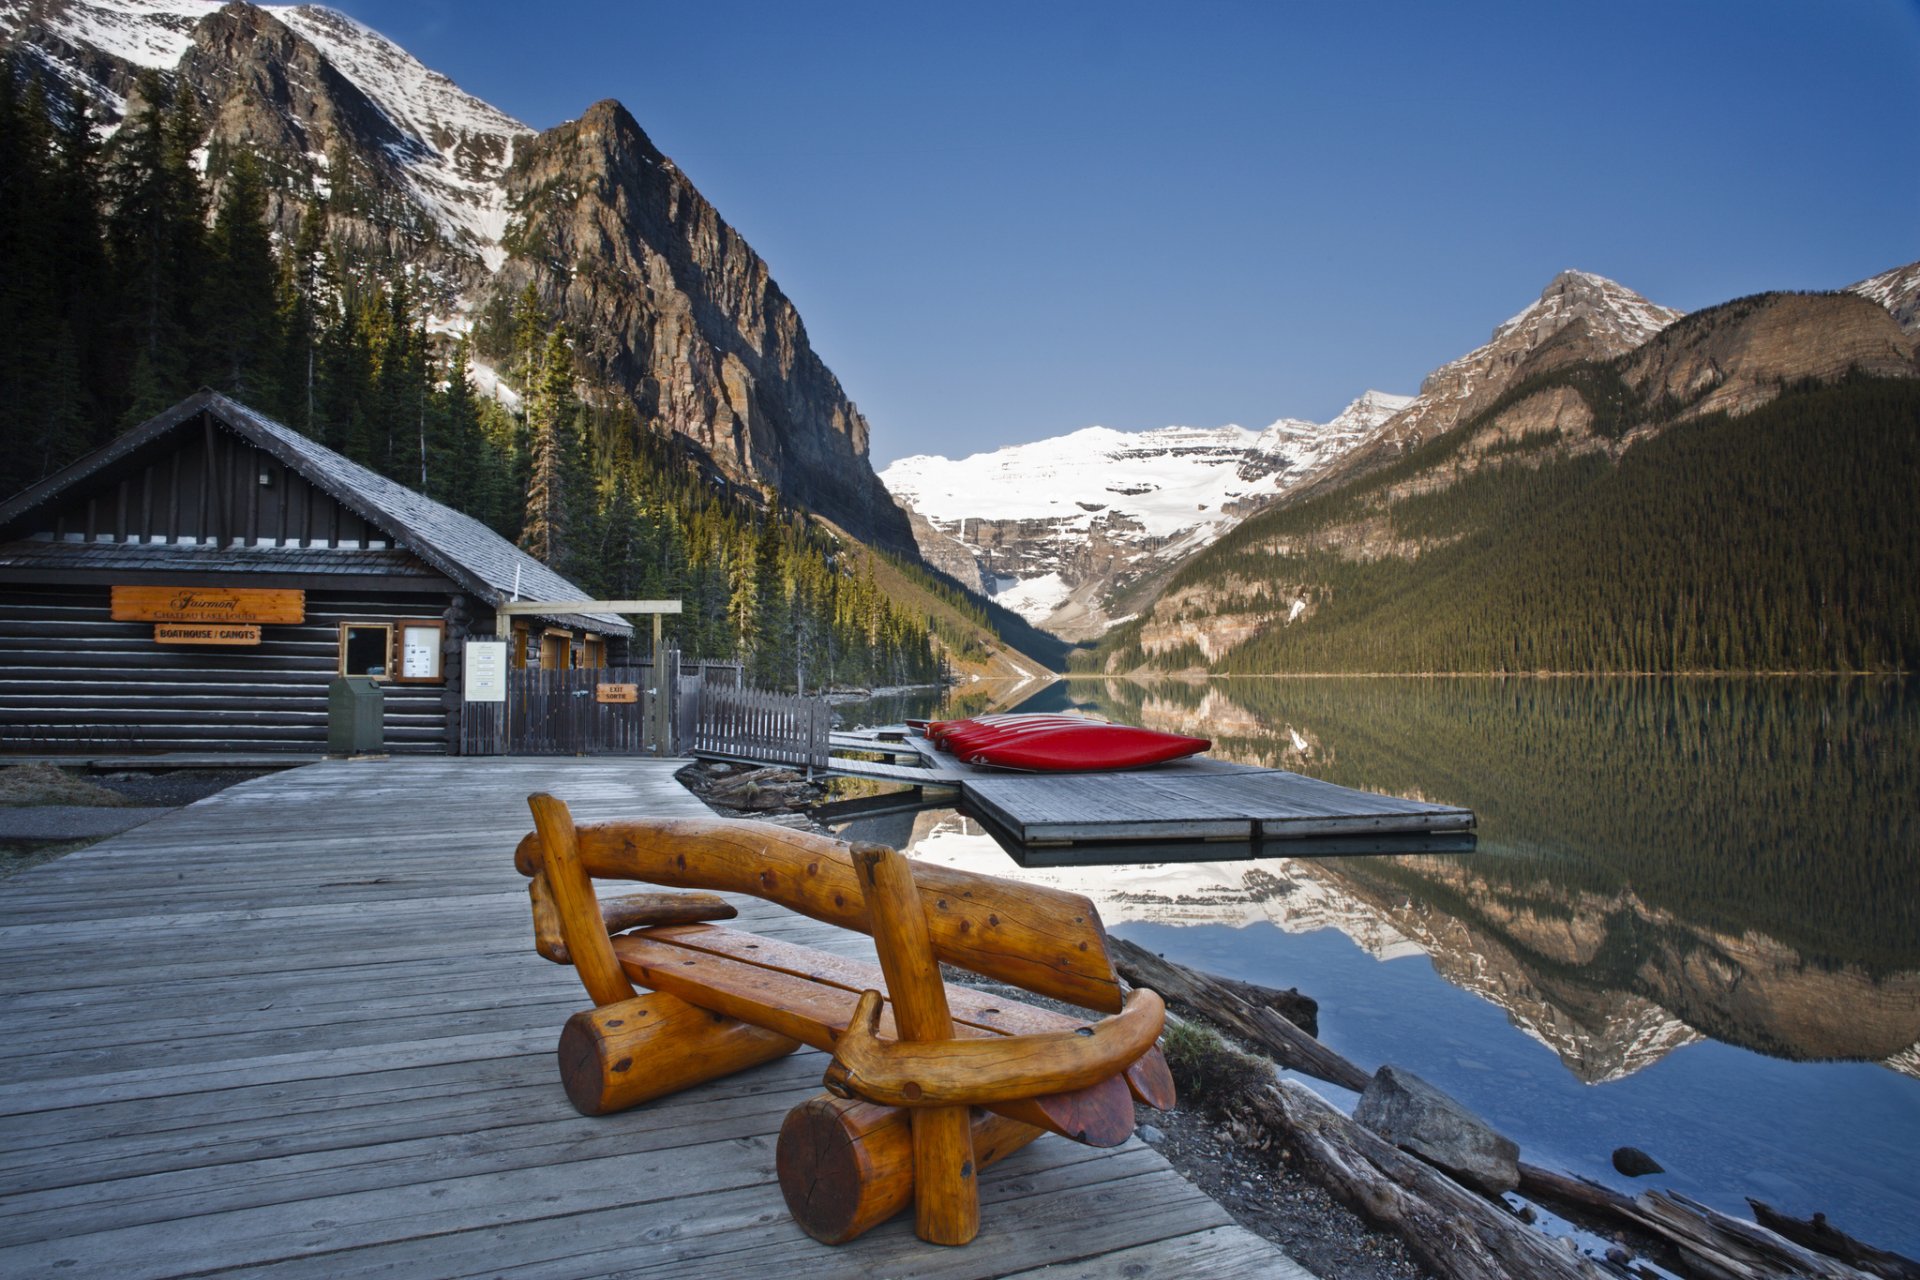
(210, 494)
(72, 679)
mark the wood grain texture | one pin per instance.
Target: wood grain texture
(401, 1117)
(1045, 940)
(906, 1073)
(946, 1192)
(620, 1055)
(846, 1166)
(575, 904)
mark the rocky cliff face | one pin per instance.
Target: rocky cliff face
(673, 308)
(1738, 356)
(1067, 531)
(1578, 316)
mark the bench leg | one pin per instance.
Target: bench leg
(846, 1166)
(632, 1051)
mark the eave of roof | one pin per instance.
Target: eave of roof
(453, 543)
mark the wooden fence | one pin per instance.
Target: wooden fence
(769, 728)
(561, 712)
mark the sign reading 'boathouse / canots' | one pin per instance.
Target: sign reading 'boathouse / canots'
(204, 633)
(208, 604)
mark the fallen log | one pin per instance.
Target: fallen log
(1455, 1233)
(1707, 1242)
(1720, 1245)
(1818, 1234)
(1214, 1000)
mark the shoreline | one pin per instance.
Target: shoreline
(1197, 676)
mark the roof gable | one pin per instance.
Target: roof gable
(455, 544)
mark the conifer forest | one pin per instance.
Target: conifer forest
(126, 285)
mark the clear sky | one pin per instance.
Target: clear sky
(1004, 221)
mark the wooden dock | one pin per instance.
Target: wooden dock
(1197, 799)
(298, 1030)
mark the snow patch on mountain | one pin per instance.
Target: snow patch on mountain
(1030, 513)
(464, 146)
(456, 149)
(1898, 291)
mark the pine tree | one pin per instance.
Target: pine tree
(240, 315)
(156, 233)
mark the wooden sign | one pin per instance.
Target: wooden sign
(208, 604)
(204, 633)
(616, 693)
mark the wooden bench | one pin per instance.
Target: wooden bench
(928, 1083)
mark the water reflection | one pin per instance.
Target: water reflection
(1661, 864)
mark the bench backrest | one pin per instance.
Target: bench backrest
(1044, 940)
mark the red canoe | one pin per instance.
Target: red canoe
(1059, 743)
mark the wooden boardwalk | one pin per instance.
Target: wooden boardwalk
(298, 1030)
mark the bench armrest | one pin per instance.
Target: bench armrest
(941, 1073)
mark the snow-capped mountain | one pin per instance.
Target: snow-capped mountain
(420, 180)
(1060, 529)
(448, 151)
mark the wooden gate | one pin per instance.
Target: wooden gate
(584, 712)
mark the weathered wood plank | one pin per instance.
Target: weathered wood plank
(333, 1057)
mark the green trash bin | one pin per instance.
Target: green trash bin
(356, 710)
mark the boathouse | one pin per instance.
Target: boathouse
(199, 584)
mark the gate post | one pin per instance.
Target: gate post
(666, 681)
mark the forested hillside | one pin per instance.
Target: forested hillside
(1781, 540)
(122, 291)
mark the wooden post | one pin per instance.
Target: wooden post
(846, 1166)
(946, 1198)
(620, 1055)
(579, 909)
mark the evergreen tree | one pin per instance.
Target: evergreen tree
(156, 232)
(239, 308)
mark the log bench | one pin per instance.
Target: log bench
(928, 1083)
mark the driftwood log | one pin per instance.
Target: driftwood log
(1704, 1242)
(1212, 999)
(1453, 1231)
(1818, 1234)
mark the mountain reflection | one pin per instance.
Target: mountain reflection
(1659, 859)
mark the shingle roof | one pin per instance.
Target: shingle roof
(457, 545)
(206, 557)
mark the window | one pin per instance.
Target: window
(595, 655)
(555, 649)
(366, 649)
(519, 646)
(420, 650)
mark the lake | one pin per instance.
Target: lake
(1692, 923)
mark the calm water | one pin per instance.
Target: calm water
(1692, 924)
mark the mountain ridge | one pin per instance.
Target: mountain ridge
(1065, 529)
(420, 179)
(1598, 515)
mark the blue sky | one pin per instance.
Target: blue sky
(1006, 221)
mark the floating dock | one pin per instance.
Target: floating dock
(1196, 799)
